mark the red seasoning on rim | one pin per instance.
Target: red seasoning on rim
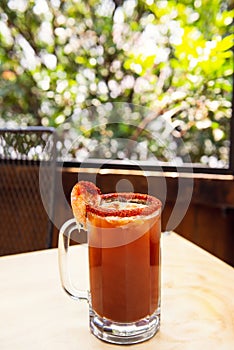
(86, 197)
(134, 204)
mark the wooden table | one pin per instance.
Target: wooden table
(197, 302)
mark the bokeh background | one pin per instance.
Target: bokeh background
(59, 58)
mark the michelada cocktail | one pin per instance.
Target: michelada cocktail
(124, 261)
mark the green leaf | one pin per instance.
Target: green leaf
(225, 44)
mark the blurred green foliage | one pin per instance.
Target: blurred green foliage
(175, 58)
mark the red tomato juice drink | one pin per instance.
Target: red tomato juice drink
(123, 231)
(124, 261)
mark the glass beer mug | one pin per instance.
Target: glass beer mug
(124, 266)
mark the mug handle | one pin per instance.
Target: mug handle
(63, 244)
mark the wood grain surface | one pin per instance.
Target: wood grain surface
(197, 302)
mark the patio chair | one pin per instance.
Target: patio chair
(27, 168)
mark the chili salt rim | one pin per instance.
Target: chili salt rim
(153, 204)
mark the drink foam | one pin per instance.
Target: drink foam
(119, 205)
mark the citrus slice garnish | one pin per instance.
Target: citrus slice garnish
(84, 194)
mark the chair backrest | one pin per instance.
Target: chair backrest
(25, 224)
